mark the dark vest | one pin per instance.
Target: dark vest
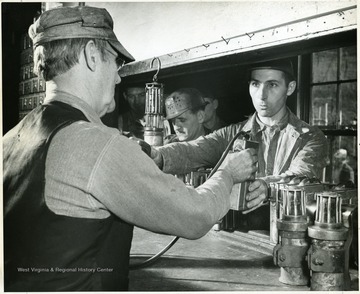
(44, 251)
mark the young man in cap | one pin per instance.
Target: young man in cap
(74, 188)
(185, 109)
(287, 145)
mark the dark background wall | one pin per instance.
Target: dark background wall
(16, 19)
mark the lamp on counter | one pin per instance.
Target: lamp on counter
(290, 252)
(328, 253)
(276, 210)
(154, 110)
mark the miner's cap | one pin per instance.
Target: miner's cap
(76, 22)
(182, 100)
(285, 66)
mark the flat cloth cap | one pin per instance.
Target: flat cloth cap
(76, 22)
(282, 65)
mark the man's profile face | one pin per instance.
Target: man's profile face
(108, 79)
(187, 126)
(340, 157)
(268, 91)
(210, 109)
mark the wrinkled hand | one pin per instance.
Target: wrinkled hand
(241, 164)
(258, 193)
(144, 146)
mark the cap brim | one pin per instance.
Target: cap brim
(274, 68)
(176, 115)
(121, 51)
(189, 108)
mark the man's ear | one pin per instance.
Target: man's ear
(200, 116)
(291, 88)
(215, 103)
(92, 55)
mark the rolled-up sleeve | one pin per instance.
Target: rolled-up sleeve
(180, 158)
(132, 187)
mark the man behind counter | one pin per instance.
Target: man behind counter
(185, 109)
(212, 121)
(287, 145)
(74, 188)
(133, 120)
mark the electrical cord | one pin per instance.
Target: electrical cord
(155, 257)
(227, 149)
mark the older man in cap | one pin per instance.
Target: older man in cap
(185, 109)
(74, 188)
(287, 145)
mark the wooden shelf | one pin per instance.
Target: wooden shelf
(286, 39)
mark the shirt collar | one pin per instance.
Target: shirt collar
(74, 101)
(283, 122)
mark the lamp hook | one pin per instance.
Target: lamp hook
(158, 69)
